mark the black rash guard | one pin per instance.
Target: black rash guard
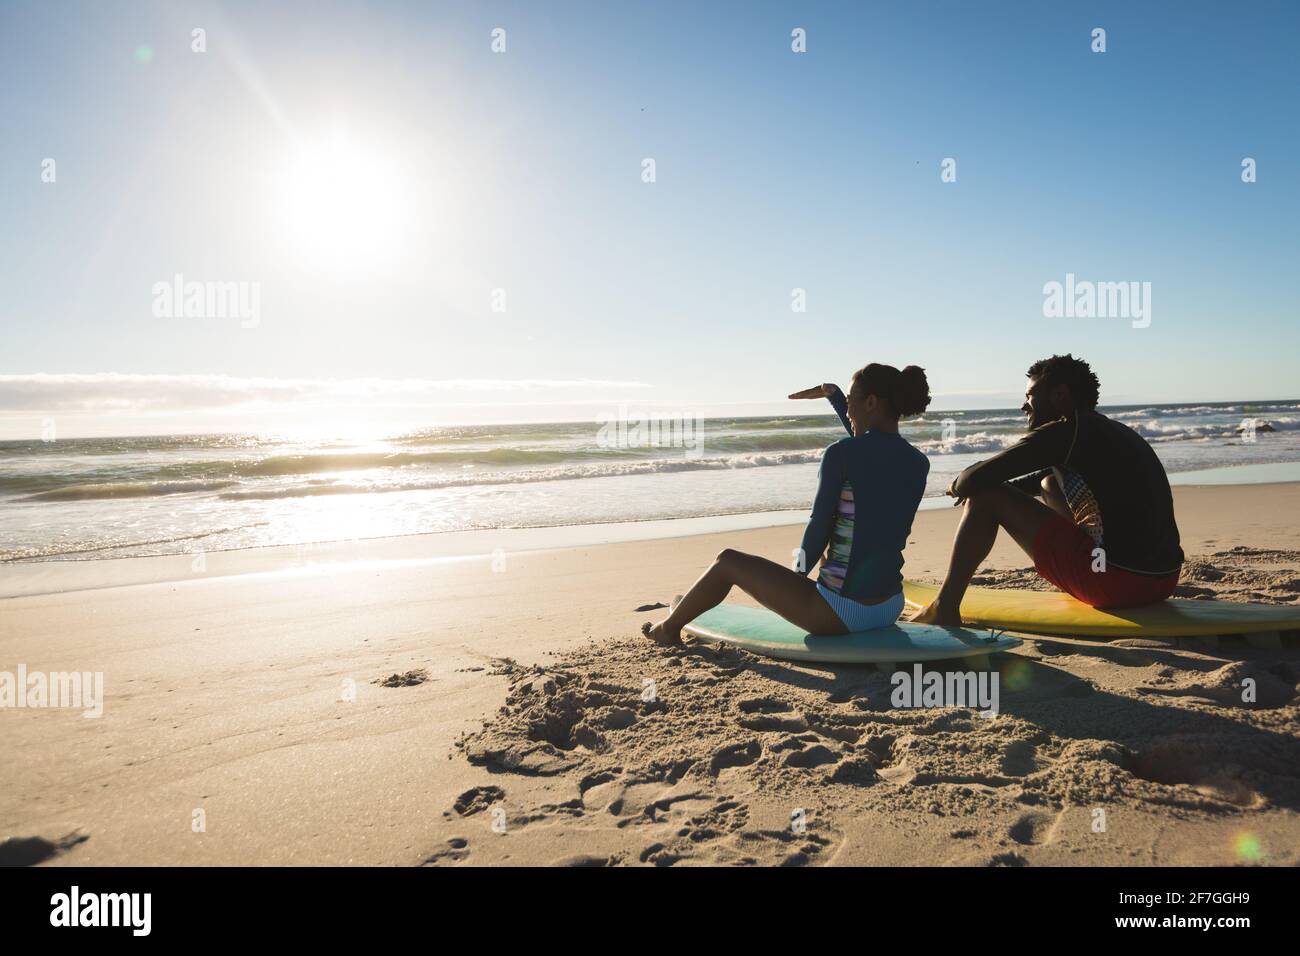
(1115, 485)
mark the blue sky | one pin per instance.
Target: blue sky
(521, 171)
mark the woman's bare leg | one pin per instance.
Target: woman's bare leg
(776, 587)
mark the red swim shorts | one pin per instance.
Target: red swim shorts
(1063, 555)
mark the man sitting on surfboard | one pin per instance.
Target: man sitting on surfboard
(1106, 532)
(868, 489)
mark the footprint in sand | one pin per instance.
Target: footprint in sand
(455, 851)
(1273, 685)
(708, 834)
(735, 755)
(816, 756)
(658, 854)
(586, 860)
(1035, 829)
(836, 731)
(639, 798)
(889, 754)
(1019, 759)
(1007, 859)
(1212, 769)
(878, 748)
(785, 847)
(769, 714)
(477, 799)
(857, 771)
(723, 835)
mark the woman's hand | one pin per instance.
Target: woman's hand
(817, 391)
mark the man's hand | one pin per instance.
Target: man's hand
(952, 493)
(817, 391)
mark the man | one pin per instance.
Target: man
(1105, 529)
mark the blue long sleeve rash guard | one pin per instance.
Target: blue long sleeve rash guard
(868, 489)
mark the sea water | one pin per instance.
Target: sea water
(115, 497)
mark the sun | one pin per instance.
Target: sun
(341, 208)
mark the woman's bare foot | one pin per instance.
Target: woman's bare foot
(657, 634)
(937, 614)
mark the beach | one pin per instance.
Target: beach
(391, 702)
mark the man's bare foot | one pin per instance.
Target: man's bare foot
(937, 614)
(657, 634)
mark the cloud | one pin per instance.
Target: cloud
(117, 392)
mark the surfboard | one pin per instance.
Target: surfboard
(1051, 612)
(761, 631)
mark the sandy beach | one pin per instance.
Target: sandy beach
(398, 705)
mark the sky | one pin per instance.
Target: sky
(425, 229)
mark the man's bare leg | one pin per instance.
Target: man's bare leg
(1002, 507)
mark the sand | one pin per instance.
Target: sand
(389, 707)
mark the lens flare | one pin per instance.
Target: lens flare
(1016, 675)
(1248, 848)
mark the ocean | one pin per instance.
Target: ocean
(116, 497)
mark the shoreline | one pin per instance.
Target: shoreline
(35, 576)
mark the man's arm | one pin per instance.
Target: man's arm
(1031, 485)
(1036, 452)
(830, 481)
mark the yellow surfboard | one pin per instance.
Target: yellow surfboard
(1051, 612)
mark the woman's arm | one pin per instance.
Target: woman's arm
(830, 482)
(838, 402)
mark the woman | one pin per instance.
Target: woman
(871, 481)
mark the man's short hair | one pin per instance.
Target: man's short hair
(1068, 370)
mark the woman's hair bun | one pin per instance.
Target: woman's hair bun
(906, 392)
(913, 393)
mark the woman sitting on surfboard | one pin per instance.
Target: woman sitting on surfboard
(868, 489)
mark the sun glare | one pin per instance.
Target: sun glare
(342, 209)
